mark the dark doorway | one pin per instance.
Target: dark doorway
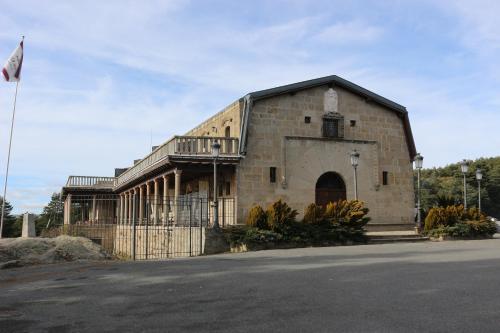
(329, 188)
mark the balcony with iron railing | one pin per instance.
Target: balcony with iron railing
(181, 147)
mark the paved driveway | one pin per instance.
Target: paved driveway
(412, 287)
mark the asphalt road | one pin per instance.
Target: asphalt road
(411, 287)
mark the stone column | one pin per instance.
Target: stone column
(156, 200)
(94, 206)
(134, 204)
(130, 198)
(141, 205)
(120, 208)
(165, 199)
(125, 208)
(148, 202)
(67, 211)
(177, 194)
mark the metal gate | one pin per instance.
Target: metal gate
(151, 228)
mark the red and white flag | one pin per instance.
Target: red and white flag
(12, 69)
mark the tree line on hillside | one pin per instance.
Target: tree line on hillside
(51, 216)
(441, 187)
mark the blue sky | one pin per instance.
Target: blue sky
(99, 77)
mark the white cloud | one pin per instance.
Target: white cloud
(99, 76)
(350, 32)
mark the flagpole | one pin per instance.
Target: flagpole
(8, 161)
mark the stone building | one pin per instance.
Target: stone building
(291, 142)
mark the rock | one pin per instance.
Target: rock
(29, 251)
(215, 242)
(10, 264)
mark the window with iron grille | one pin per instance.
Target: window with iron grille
(333, 126)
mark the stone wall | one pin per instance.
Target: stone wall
(159, 242)
(279, 137)
(216, 125)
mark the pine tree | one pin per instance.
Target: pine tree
(11, 228)
(52, 214)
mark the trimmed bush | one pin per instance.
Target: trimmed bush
(257, 218)
(314, 214)
(347, 213)
(280, 216)
(444, 216)
(455, 221)
(341, 222)
(238, 235)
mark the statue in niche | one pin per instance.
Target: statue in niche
(331, 101)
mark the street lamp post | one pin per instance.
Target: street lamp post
(479, 177)
(215, 154)
(464, 166)
(354, 163)
(419, 161)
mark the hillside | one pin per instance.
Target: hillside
(445, 184)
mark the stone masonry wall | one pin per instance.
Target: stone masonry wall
(230, 116)
(304, 155)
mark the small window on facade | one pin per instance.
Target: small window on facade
(221, 189)
(330, 128)
(307, 120)
(272, 174)
(353, 123)
(228, 132)
(385, 177)
(228, 188)
(333, 125)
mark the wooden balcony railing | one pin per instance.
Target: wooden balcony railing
(90, 181)
(181, 146)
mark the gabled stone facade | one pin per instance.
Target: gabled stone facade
(285, 132)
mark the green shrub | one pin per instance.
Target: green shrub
(446, 200)
(313, 214)
(483, 227)
(345, 213)
(257, 218)
(457, 222)
(340, 222)
(280, 216)
(474, 214)
(444, 216)
(465, 229)
(256, 236)
(237, 235)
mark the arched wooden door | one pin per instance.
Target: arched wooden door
(329, 188)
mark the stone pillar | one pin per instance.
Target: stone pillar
(141, 205)
(156, 200)
(130, 198)
(67, 210)
(148, 202)
(28, 225)
(125, 208)
(94, 207)
(120, 210)
(165, 199)
(177, 194)
(134, 204)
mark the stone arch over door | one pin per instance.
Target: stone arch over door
(330, 187)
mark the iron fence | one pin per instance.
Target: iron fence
(148, 227)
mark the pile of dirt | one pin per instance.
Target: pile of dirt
(16, 252)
